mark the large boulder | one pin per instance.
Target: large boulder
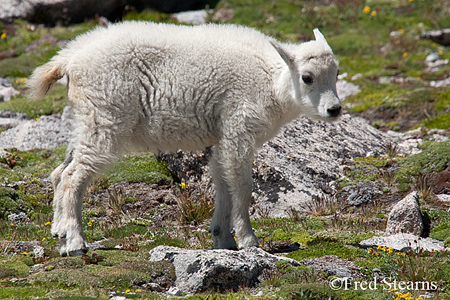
(52, 11)
(303, 160)
(406, 217)
(73, 11)
(201, 270)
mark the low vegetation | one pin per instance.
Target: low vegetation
(377, 46)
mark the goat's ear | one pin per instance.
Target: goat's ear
(320, 38)
(285, 55)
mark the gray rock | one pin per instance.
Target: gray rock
(304, 160)
(432, 57)
(440, 83)
(362, 193)
(405, 216)
(441, 37)
(346, 89)
(6, 90)
(301, 161)
(403, 242)
(18, 217)
(11, 119)
(47, 132)
(53, 11)
(201, 270)
(38, 252)
(194, 17)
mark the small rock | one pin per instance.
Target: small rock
(174, 291)
(405, 216)
(154, 287)
(361, 193)
(444, 198)
(442, 37)
(357, 76)
(403, 242)
(346, 89)
(432, 57)
(440, 83)
(194, 17)
(38, 252)
(18, 217)
(6, 90)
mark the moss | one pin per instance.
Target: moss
(65, 263)
(433, 158)
(127, 274)
(441, 232)
(64, 278)
(23, 293)
(327, 248)
(11, 203)
(440, 121)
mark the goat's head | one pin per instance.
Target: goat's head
(313, 70)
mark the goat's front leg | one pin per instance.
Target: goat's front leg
(221, 224)
(234, 159)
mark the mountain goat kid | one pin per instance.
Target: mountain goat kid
(168, 87)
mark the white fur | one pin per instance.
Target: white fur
(168, 87)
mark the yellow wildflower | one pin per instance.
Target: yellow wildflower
(184, 185)
(127, 291)
(405, 54)
(384, 248)
(3, 36)
(24, 253)
(23, 79)
(43, 239)
(366, 10)
(401, 31)
(138, 290)
(373, 13)
(390, 250)
(379, 247)
(440, 52)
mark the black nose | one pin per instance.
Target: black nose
(334, 111)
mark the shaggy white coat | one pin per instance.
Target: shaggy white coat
(167, 87)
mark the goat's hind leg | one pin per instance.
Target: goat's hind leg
(57, 207)
(87, 160)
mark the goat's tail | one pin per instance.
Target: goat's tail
(43, 78)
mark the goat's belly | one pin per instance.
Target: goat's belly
(172, 132)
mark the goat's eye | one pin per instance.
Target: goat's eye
(307, 79)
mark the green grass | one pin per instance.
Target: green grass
(141, 167)
(53, 103)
